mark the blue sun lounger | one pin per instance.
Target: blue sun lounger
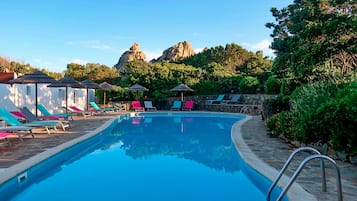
(97, 108)
(176, 106)
(218, 100)
(12, 121)
(45, 112)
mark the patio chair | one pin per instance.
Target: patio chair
(45, 112)
(234, 100)
(97, 108)
(30, 117)
(176, 105)
(12, 121)
(148, 106)
(137, 106)
(217, 101)
(188, 106)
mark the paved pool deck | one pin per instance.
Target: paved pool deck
(263, 147)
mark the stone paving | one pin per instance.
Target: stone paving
(269, 149)
(274, 152)
(20, 151)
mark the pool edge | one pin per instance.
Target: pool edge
(21, 167)
(295, 193)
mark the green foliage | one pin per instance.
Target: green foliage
(336, 122)
(272, 85)
(161, 76)
(281, 125)
(248, 85)
(314, 40)
(207, 87)
(310, 96)
(220, 61)
(323, 111)
(92, 71)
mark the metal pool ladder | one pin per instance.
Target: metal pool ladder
(316, 155)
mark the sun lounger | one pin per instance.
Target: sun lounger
(12, 121)
(234, 100)
(176, 105)
(45, 112)
(35, 120)
(217, 101)
(148, 106)
(20, 131)
(77, 110)
(137, 106)
(97, 108)
(32, 118)
(188, 106)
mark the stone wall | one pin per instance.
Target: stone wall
(248, 103)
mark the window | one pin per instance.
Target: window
(28, 90)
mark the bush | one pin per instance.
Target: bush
(248, 85)
(281, 125)
(272, 85)
(336, 121)
(207, 87)
(274, 106)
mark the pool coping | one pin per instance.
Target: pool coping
(21, 167)
(295, 193)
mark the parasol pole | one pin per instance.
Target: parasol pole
(181, 96)
(36, 98)
(105, 94)
(87, 99)
(66, 99)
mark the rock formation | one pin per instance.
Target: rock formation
(178, 51)
(133, 54)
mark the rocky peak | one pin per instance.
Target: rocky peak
(178, 51)
(133, 54)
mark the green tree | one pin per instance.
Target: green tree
(76, 71)
(315, 39)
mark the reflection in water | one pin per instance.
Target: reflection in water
(201, 139)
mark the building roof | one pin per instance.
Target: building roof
(6, 77)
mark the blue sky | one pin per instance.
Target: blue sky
(52, 33)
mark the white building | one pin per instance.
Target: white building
(53, 98)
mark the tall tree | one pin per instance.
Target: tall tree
(315, 38)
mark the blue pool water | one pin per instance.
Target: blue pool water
(155, 156)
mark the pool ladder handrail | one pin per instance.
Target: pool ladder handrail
(302, 165)
(287, 163)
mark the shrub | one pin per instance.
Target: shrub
(272, 85)
(248, 85)
(274, 106)
(336, 121)
(207, 87)
(281, 125)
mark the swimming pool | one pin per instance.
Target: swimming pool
(152, 156)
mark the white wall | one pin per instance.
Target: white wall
(19, 95)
